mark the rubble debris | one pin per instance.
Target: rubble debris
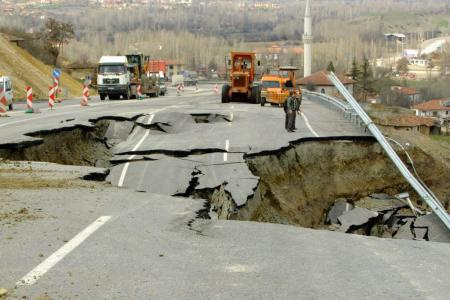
(380, 204)
(405, 232)
(437, 232)
(380, 196)
(356, 218)
(340, 207)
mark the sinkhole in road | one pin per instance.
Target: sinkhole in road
(77, 145)
(298, 185)
(301, 185)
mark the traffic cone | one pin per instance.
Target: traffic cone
(29, 90)
(216, 89)
(3, 102)
(51, 96)
(139, 92)
(85, 101)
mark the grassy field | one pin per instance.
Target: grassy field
(441, 138)
(26, 70)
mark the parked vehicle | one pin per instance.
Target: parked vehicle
(113, 78)
(177, 80)
(242, 84)
(275, 87)
(6, 86)
(142, 75)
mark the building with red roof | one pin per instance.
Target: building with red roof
(319, 82)
(437, 108)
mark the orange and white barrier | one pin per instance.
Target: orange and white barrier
(139, 92)
(51, 96)
(29, 90)
(85, 100)
(216, 89)
(3, 102)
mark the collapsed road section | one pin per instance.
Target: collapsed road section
(297, 180)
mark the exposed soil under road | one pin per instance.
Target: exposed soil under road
(298, 185)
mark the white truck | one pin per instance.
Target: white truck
(113, 78)
(6, 86)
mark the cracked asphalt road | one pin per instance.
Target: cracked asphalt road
(144, 248)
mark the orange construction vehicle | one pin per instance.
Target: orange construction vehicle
(276, 85)
(242, 77)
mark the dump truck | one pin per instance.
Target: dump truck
(276, 85)
(242, 85)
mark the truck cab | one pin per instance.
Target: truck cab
(6, 86)
(277, 84)
(114, 78)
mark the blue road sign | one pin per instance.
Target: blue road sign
(56, 73)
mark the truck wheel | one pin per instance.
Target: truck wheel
(225, 93)
(256, 95)
(102, 97)
(263, 101)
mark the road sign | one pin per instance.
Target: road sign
(56, 73)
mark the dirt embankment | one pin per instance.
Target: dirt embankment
(299, 185)
(26, 70)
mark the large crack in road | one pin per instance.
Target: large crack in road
(296, 184)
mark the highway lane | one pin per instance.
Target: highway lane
(145, 249)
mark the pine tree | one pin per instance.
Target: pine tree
(355, 70)
(366, 77)
(330, 67)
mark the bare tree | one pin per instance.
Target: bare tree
(56, 34)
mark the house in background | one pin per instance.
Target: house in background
(438, 108)
(319, 82)
(173, 68)
(413, 95)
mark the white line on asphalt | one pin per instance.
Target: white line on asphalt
(309, 125)
(227, 148)
(125, 168)
(52, 260)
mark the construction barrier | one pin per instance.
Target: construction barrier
(51, 96)
(139, 92)
(85, 100)
(29, 91)
(3, 102)
(57, 90)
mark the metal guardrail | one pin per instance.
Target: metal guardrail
(336, 105)
(427, 195)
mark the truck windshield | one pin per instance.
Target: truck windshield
(112, 69)
(271, 84)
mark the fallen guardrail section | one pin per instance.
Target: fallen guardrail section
(423, 191)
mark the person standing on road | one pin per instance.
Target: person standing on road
(289, 109)
(297, 102)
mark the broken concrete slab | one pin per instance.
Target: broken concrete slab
(380, 196)
(420, 233)
(356, 217)
(340, 207)
(379, 205)
(118, 131)
(405, 232)
(437, 231)
(168, 176)
(236, 177)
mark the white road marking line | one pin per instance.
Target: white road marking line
(127, 165)
(33, 276)
(309, 125)
(227, 148)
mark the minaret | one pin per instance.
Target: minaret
(307, 41)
